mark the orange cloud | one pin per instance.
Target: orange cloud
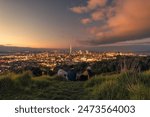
(91, 5)
(86, 21)
(124, 20)
(97, 15)
(79, 9)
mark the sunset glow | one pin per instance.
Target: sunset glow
(54, 24)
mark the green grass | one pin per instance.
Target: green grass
(26, 87)
(128, 86)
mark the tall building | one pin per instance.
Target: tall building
(70, 50)
(86, 51)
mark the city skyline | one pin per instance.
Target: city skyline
(83, 23)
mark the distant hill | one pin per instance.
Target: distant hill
(129, 48)
(11, 49)
(124, 48)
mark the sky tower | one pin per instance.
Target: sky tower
(70, 50)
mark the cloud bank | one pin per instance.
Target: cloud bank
(121, 20)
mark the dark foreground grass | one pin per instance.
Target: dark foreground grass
(24, 86)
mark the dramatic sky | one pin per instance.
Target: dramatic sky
(56, 23)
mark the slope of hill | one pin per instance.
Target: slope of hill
(127, 85)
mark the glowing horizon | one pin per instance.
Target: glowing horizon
(54, 24)
(37, 24)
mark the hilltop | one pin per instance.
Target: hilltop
(128, 85)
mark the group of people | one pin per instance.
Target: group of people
(72, 75)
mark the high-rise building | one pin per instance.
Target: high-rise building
(70, 50)
(87, 52)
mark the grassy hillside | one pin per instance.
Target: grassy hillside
(127, 85)
(122, 86)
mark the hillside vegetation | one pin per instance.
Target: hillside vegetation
(127, 85)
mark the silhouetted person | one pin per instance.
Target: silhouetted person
(83, 78)
(87, 74)
(62, 73)
(72, 74)
(90, 72)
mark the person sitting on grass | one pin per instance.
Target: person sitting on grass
(62, 73)
(87, 74)
(72, 74)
